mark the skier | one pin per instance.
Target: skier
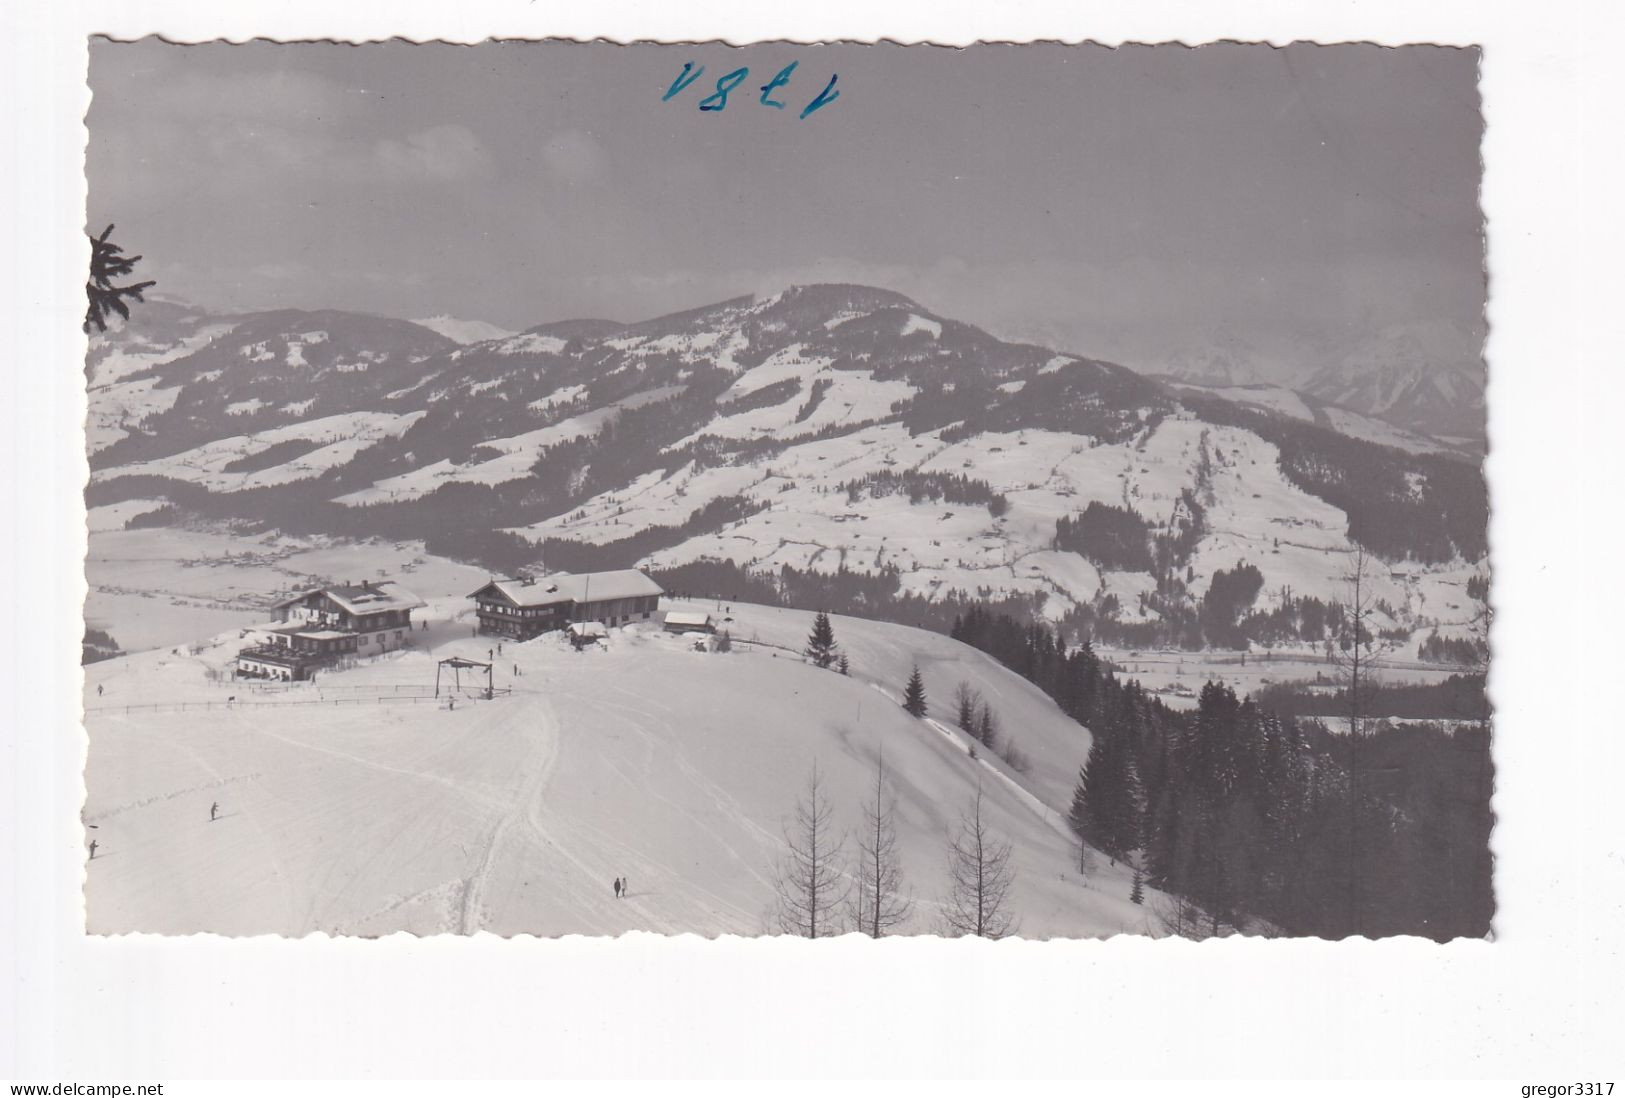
(98, 690)
(617, 884)
(214, 811)
(93, 850)
(499, 648)
(626, 889)
(516, 670)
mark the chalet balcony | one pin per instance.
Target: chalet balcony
(282, 656)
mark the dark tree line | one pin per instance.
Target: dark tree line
(1113, 537)
(1229, 596)
(98, 645)
(1467, 651)
(1246, 815)
(948, 487)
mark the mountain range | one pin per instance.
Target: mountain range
(841, 438)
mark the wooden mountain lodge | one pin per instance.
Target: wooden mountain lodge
(528, 607)
(320, 627)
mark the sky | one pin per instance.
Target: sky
(1145, 204)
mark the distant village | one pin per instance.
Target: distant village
(332, 625)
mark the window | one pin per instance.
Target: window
(363, 640)
(397, 634)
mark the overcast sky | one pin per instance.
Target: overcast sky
(1134, 203)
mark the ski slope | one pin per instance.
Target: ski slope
(644, 759)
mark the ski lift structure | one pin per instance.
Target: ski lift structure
(457, 665)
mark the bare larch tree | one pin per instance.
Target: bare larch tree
(810, 882)
(980, 879)
(879, 903)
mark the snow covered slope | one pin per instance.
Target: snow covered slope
(646, 759)
(463, 331)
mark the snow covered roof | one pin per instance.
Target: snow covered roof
(363, 598)
(688, 617)
(589, 629)
(588, 586)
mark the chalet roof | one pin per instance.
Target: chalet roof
(688, 617)
(626, 583)
(362, 598)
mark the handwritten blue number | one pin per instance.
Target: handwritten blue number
(724, 86)
(778, 81)
(684, 79)
(824, 96)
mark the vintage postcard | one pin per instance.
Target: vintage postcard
(550, 488)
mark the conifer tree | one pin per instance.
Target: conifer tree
(821, 642)
(844, 664)
(914, 694)
(107, 262)
(966, 703)
(1077, 817)
(987, 727)
(1137, 893)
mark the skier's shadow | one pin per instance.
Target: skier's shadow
(225, 816)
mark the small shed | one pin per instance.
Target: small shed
(583, 633)
(685, 621)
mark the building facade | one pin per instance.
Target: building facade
(528, 607)
(320, 627)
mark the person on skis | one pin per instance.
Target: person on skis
(214, 811)
(617, 885)
(93, 850)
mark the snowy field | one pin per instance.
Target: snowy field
(644, 759)
(1254, 515)
(1176, 677)
(167, 586)
(333, 441)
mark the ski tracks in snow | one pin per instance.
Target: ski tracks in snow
(539, 765)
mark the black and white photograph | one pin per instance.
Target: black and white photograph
(553, 488)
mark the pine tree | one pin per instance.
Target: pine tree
(810, 881)
(821, 642)
(1137, 893)
(980, 876)
(1107, 805)
(846, 667)
(1077, 817)
(914, 694)
(966, 703)
(987, 727)
(107, 262)
(879, 903)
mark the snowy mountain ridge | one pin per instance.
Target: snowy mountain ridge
(824, 430)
